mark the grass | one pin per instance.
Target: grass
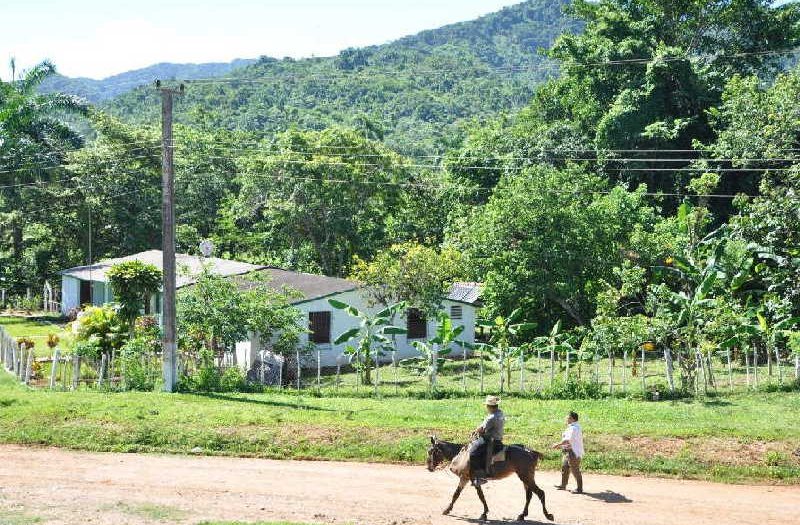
(12, 517)
(742, 438)
(148, 511)
(35, 327)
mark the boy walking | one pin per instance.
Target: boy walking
(572, 447)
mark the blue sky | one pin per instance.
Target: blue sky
(98, 38)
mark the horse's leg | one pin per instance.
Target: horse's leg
(483, 500)
(528, 494)
(539, 492)
(461, 484)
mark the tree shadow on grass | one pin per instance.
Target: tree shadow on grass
(609, 496)
(266, 402)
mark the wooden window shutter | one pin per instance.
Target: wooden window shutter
(320, 325)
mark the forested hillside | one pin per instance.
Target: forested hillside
(97, 91)
(647, 192)
(415, 93)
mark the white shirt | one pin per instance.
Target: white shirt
(574, 435)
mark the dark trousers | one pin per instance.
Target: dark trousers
(571, 463)
(478, 460)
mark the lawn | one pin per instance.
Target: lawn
(741, 438)
(34, 327)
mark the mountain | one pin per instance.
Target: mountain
(416, 93)
(97, 91)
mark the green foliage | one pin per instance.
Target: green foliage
(417, 275)
(132, 283)
(99, 330)
(34, 144)
(222, 312)
(374, 334)
(547, 238)
(417, 91)
(433, 353)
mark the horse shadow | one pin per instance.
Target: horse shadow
(526, 521)
(609, 496)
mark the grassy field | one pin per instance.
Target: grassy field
(456, 376)
(36, 327)
(743, 437)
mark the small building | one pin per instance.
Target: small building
(89, 285)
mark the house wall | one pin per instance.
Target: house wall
(247, 351)
(70, 293)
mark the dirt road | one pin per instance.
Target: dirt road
(52, 486)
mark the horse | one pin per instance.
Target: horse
(519, 460)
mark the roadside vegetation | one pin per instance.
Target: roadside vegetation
(741, 438)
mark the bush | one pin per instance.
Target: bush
(140, 371)
(233, 380)
(573, 389)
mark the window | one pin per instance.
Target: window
(417, 324)
(320, 325)
(456, 312)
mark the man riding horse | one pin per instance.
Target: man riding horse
(474, 461)
(488, 442)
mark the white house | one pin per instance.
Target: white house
(89, 285)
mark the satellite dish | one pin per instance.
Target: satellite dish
(206, 248)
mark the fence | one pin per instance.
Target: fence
(538, 373)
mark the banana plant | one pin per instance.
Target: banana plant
(554, 344)
(770, 333)
(433, 353)
(503, 330)
(374, 335)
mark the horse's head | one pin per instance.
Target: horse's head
(436, 454)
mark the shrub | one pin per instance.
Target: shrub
(233, 380)
(573, 389)
(140, 370)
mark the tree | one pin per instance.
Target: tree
(545, 240)
(317, 198)
(34, 143)
(132, 283)
(373, 334)
(221, 312)
(414, 274)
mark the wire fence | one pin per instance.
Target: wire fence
(651, 375)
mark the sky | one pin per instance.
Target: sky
(99, 38)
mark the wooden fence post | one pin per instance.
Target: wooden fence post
(670, 370)
(28, 367)
(103, 366)
(76, 371)
(54, 369)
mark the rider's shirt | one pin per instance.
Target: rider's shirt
(493, 426)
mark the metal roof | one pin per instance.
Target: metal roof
(188, 266)
(310, 285)
(469, 293)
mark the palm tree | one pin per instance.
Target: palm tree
(34, 142)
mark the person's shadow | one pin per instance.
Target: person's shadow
(609, 496)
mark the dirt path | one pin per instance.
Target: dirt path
(52, 486)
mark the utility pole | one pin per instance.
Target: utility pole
(168, 346)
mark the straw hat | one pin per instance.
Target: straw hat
(492, 401)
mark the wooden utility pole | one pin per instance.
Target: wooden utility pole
(168, 346)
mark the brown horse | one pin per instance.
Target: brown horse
(519, 460)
